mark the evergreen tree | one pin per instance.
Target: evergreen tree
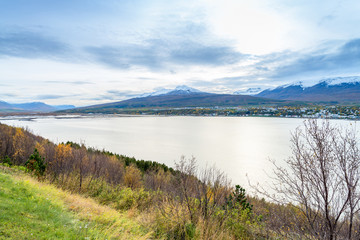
(36, 164)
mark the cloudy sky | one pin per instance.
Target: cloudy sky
(84, 52)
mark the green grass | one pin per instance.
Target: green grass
(33, 210)
(24, 215)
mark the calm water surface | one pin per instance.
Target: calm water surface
(239, 146)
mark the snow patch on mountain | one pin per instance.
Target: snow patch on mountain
(294, 84)
(157, 92)
(182, 89)
(341, 80)
(249, 91)
(328, 81)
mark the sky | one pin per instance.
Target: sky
(85, 52)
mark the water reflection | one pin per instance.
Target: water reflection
(236, 145)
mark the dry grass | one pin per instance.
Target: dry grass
(111, 223)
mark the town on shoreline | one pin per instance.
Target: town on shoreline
(321, 111)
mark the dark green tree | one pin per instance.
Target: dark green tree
(36, 164)
(238, 199)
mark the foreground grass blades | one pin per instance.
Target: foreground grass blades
(34, 210)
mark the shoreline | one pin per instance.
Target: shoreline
(33, 116)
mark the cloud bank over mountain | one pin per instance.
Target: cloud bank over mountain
(78, 52)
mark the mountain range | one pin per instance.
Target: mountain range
(31, 107)
(327, 91)
(180, 97)
(331, 90)
(341, 90)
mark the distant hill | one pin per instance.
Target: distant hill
(6, 107)
(183, 97)
(335, 90)
(62, 107)
(31, 107)
(34, 107)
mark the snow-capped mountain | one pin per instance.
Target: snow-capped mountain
(249, 91)
(179, 90)
(159, 91)
(341, 80)
(339, 89)
(180, 97)
(184, 90)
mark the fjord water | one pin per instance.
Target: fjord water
(239, 146)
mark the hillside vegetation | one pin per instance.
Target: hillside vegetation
(138, 198)
(181, 203)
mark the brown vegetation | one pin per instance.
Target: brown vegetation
(185, 203)
(321, 182)
(317, 194)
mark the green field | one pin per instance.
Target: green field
(33, 210)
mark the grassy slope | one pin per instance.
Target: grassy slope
(34, 210)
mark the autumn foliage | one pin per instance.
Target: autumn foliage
(181, 203)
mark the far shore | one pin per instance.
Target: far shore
(30, 116)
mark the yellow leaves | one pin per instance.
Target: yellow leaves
(63, 151)
(19, 143)
(113, 159)
(40, 147)
(19, 131)
(132, 177)
(210, 194)
(161, 178)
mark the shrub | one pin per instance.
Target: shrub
(7, 160)
(129, 198)
(133, 177)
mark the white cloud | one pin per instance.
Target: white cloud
(213, 45)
